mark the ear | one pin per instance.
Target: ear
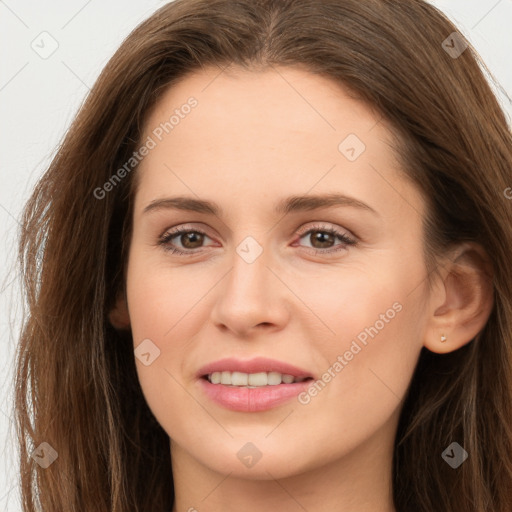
(119, 316)
(462, 301)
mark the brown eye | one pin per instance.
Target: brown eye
(191, 240)
(321, 239)
(183, 241)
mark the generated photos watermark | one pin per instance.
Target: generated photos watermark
(150, 143)
(316, 387)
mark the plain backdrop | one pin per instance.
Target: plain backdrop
(40, 94)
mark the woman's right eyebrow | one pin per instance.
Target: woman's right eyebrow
(284, 206)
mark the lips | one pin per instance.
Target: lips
(228, 382)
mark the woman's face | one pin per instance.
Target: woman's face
(312, 266)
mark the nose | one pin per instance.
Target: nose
(251, 298)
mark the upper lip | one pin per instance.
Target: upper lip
(255, 365)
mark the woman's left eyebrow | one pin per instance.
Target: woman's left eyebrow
(285, 206)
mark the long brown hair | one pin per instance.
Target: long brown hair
(76, 381)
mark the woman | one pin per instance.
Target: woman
(268, 267)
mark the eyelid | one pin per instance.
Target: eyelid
(319, 226)
(177, 229)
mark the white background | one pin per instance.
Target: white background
(39, 97)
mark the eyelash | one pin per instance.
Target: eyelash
(165, 239)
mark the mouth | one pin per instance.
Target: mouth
(252, 380)
(251, 386)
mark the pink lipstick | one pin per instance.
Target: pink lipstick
(252, 385)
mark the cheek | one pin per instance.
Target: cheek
(368, 363)
(167, 306)
(161, 299)
(161, 316)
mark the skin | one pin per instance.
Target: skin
(255, 138)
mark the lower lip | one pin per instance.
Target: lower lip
(252, 399)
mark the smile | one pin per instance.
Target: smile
(253, 385)
(252, 380)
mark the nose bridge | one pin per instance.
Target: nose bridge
(250, 294)
(249, 275)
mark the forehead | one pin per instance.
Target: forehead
(258, 132)
(233, 97)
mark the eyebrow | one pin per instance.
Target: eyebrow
(285, 206)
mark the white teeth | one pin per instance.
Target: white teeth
(239, 379)
(287, 379)
(273, 378)
(252, 380)
(257, 379)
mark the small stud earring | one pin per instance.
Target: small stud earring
(443, 338)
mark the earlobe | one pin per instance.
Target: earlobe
(119, 317)
(466, 301)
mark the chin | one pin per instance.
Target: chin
(254, 460)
